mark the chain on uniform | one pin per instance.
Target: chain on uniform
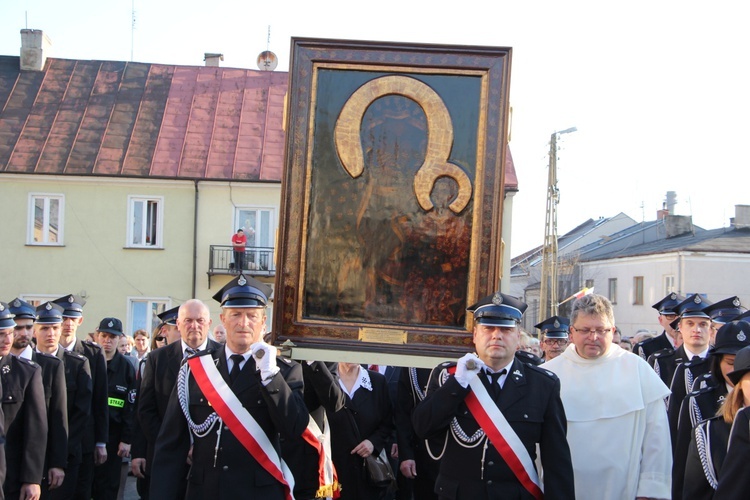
(182, 395)
(458, 433)
(703, 442)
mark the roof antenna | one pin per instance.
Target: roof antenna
(132, 28)
(267, 60)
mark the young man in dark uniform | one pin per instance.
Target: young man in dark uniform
(55, 396)
(668, 339)
(528, 400)
(96, 432)
(554, 336)
(263, 396)
(121, 397)
(48, 331)
(25, 418)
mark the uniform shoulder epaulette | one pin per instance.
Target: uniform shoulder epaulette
(25, 361)
(91, 345)
(664, 353)
(74, 354)
(47, 355)
(284, 359)
(543, 370)
(704, 388)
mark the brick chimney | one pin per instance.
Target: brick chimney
(35, 47)
(677, 225)
(212, 59)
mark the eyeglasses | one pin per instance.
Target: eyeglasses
(555, 341)
(23, 327)
(160, 339)
(600, 332)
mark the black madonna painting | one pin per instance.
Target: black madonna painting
(392, 192)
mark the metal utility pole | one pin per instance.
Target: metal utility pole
(548, 292)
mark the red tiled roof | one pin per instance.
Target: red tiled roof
(115, 118)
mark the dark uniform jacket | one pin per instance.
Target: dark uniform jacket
(682, 382)
(734, 479)
(229, 472)
(699, 405)
(647, 347)
(666, 361)
(2, 444)
(56, 400)
(530, 401)
(78, 386)
(25, 423)
(706, 453)
(412, 389)
(121, 398)
(155, 388)
(97, 429)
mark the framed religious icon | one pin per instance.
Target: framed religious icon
(392, 194)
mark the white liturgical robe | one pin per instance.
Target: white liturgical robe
(617, 425)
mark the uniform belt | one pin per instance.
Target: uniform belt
(117, 403)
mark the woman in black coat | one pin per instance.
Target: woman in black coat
(361, 428)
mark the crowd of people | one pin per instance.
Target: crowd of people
(202, 411)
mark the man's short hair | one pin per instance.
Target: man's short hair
(593, 305)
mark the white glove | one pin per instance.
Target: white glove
(265, 360)
(464, 374)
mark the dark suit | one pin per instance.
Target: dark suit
(25, 423)
(231, 472)
(2, 444)
(97, 426)
(647, 347)
(530, 401)
(56, 400)
(734, 480)
(703, 462)
(79, 386)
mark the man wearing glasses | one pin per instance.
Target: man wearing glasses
(614, 402)
(554, 335)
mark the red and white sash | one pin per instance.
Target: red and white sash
(328, 481)
(240, 422)
(503, 437)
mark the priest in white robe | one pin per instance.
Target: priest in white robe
(614, 402)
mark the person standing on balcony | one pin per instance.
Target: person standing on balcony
(239, 240)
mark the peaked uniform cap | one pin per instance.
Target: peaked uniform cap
(555, 327)
(110, 325)
(22, 309)
(243, 292)
(6, 316)
(72, 305)
(725, 310)
(169, 317)
(741, 365)
(692, 307)
(668, 305)
(732, 337)
(49, 313)
(498, 310)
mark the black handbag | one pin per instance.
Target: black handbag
(378, 470)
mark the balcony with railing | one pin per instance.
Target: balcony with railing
(259, 261)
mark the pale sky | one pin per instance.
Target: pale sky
(659, 90)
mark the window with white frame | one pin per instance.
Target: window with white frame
(145, 221)
(668, 284)
(45, 226)
(143, 313)
(259, 226)
(37, 300)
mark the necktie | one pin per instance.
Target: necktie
(189, 351)
(493, 378)
(237, 359)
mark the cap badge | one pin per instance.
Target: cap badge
(110, 324)
(16, 303)
(497, 299)
(2, 308)
(673, 296)
(736, 302)
(48, 306)
(741, 336)
(242, 281)
(556, 324)
(71, 299)
(697, 299)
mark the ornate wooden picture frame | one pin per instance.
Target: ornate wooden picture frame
(392, 194)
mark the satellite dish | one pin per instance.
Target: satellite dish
(267, 61)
